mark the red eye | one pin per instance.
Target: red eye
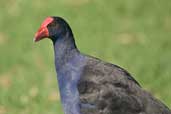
(53, 24)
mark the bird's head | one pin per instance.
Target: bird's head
(52, 27)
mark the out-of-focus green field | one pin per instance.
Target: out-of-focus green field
(135, 34)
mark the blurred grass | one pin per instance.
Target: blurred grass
(135, 34)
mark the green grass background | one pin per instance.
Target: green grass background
(135, 34)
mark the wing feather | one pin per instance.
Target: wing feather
(105, 88)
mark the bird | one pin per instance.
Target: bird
(89, 85)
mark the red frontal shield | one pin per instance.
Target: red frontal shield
(43, 30)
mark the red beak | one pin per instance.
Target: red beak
(43, 30)
(41, 33)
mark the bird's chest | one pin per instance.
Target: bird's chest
(68, 91)
(67, 80)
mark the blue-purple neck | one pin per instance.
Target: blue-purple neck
(69, 64)
(65, 49)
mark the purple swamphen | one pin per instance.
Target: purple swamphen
(89, 85)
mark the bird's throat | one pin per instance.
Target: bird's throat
(64, 50)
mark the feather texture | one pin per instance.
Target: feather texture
(91, 86)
